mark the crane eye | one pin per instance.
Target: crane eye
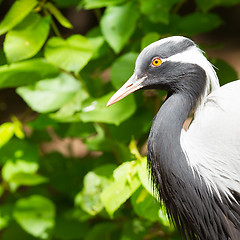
(156, 62)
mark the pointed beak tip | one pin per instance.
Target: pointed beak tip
(130, 86)
(109, 103)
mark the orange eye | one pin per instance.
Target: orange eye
(156, 62)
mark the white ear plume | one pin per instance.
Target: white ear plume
(195, 56)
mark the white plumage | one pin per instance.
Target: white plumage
(212, 142)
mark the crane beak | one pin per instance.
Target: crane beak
(132, 85)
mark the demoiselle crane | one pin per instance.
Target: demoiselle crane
(196, 172)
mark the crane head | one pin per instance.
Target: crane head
(174, 64)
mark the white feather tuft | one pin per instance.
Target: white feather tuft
(194, 55)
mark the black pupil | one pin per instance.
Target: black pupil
(156, 61)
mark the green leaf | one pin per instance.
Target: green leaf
(35, 215)
(124, 185)
(196, 23)
(26, 72)
(79, 129)
(96, 110)
(18, 131)
(145, 205)
(226, 73)
(71, 54)
(50, 94)
(11, 168)
(157, 10)
(118, 24)
(117, 193)
(18, 11)
(98, 42)
(99, 141)
(18, 157)
(134, 151)
(90, 4)
(94, 183)
(122, 69)
(27, 38)
(8, 129)
(145, 178)
(149, 38)
(58, 15)
(96, 85)
(137, 125)
(5, 215)
(6, 132)
(27, 179)
(67, 111)
(164, 220)
(41, 122)
(206, 5)
(16, 150)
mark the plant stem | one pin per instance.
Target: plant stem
(55, 29)
(53, 25)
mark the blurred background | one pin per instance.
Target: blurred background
(70, 167)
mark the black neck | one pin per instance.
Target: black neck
(164, 139)
(171, 117)
(171, 174)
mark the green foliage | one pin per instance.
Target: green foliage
(200, 22)
(18, 11)
(225, 72)
(52, 93)
(123, 186)
(157, 10)
(93, 184)
(149, 38)
(27, 38)
(35, 215)
(90, 4)
(122, 69)
(103, 191)
(26, 72)
(58, 15)
(118, 24)
(206, 5)
(71, 54)
(9, 129)
(94, 110)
